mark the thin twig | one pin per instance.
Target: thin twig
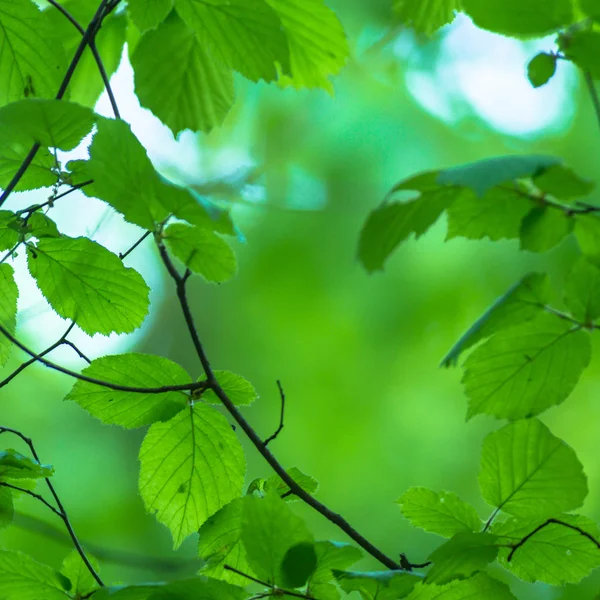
(489, 522)
(593, 93)
(274, 588)
(185, 387)
(88, 36)
(125, 254)
(212, 383)
(32, 494)
(585, 534)
(62, 513)
(278, 430)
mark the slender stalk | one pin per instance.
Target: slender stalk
(252, 435)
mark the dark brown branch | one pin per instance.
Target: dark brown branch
(582, 532)
(213, 384)
(61, 512)
(88, 36)
(278, 430)
(185, 387)
(125, 254)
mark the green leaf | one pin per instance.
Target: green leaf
(298, 564)
(563, 183)
(123, 174)
(521, 303)
(240, 391)
(41, 226)
(16, 466)
(276, 484)
(583, 48)
(317, 43)
(9, 232)
(32, 59)
(220, 544)
(587, 233)
(7, 511)
(528, 472)
(497, 214)
(443, 513)
(246, 35)
(39, 173)
(330, 555)
(520, 18)
(541, 69)
(392, 223)
(377, 585)
(76, 571)
(461, 557)
(556, 554)
(9, 294)
(202, 251)
(543, 228)
(591, 8)
(481, 586)
(178, 81)
(54, 123)
(130, 409)
(191, 466)
(148, 14)
(426, 16)
(199, 588)
(142, 591)
(524, 370)
(22, 578)
(269, 530)
(85, 282)
(483, 175)
(583, 291)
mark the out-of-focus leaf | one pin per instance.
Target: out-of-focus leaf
(481, 586)
(239, 390)
(541, 69)
(563, 183)
(583, 291)
(9, 295)
(543, 228)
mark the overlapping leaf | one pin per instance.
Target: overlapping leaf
(587, 233)
(9, 294)
(524, 370)
(246, 35)
(85, 282)
(317, 42)
(77, 572)
(426, 16)
(179, 81)
(522, 302)
(377, 585)
(202, 251)
(443, 513)
(278, 486)
(541, 68)
(555, 554)
(191, 466)
(39, 173)
(22, 578)
(239, 390)
(148, 14)
(583, 291)
(563, 183)
(131, 409)
(543, 228)
(480, 586)
(330, 556)
(528, 472)
(32, 59)
(583, 48)
(14, 465)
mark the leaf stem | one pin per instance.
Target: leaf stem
(213, 384)
(61, 512)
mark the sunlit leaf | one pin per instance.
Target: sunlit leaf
(583, 291)
(39, 174)
(555, 554)
(522, 302)
(191, 466)
(520, 18)
(85, 282)
(202, 251)
(524, 370)
(7, 511)
(426, 16)
(587, 233)
(42, 226)
(479, 587)
(461, 557)
(377, 585)
(246, 35)
(563, 183)
(443, 513)
(239, 390)
(179, 81)
(148, 14)
(528, 472)
(543, 228)
(32, 59)
(22, 578)
(541, 69)
(130, 409)
(77, 572)
(583, 48)
(9, 294)
(16, 466)
(330, 556)
(317, 42)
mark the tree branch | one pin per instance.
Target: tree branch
(213, 384)
(32, 494)
(593, 93)
(185, 387)
(278, 430)
(61, 512)
(125, 254)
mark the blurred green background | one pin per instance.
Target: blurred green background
(369, 413)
